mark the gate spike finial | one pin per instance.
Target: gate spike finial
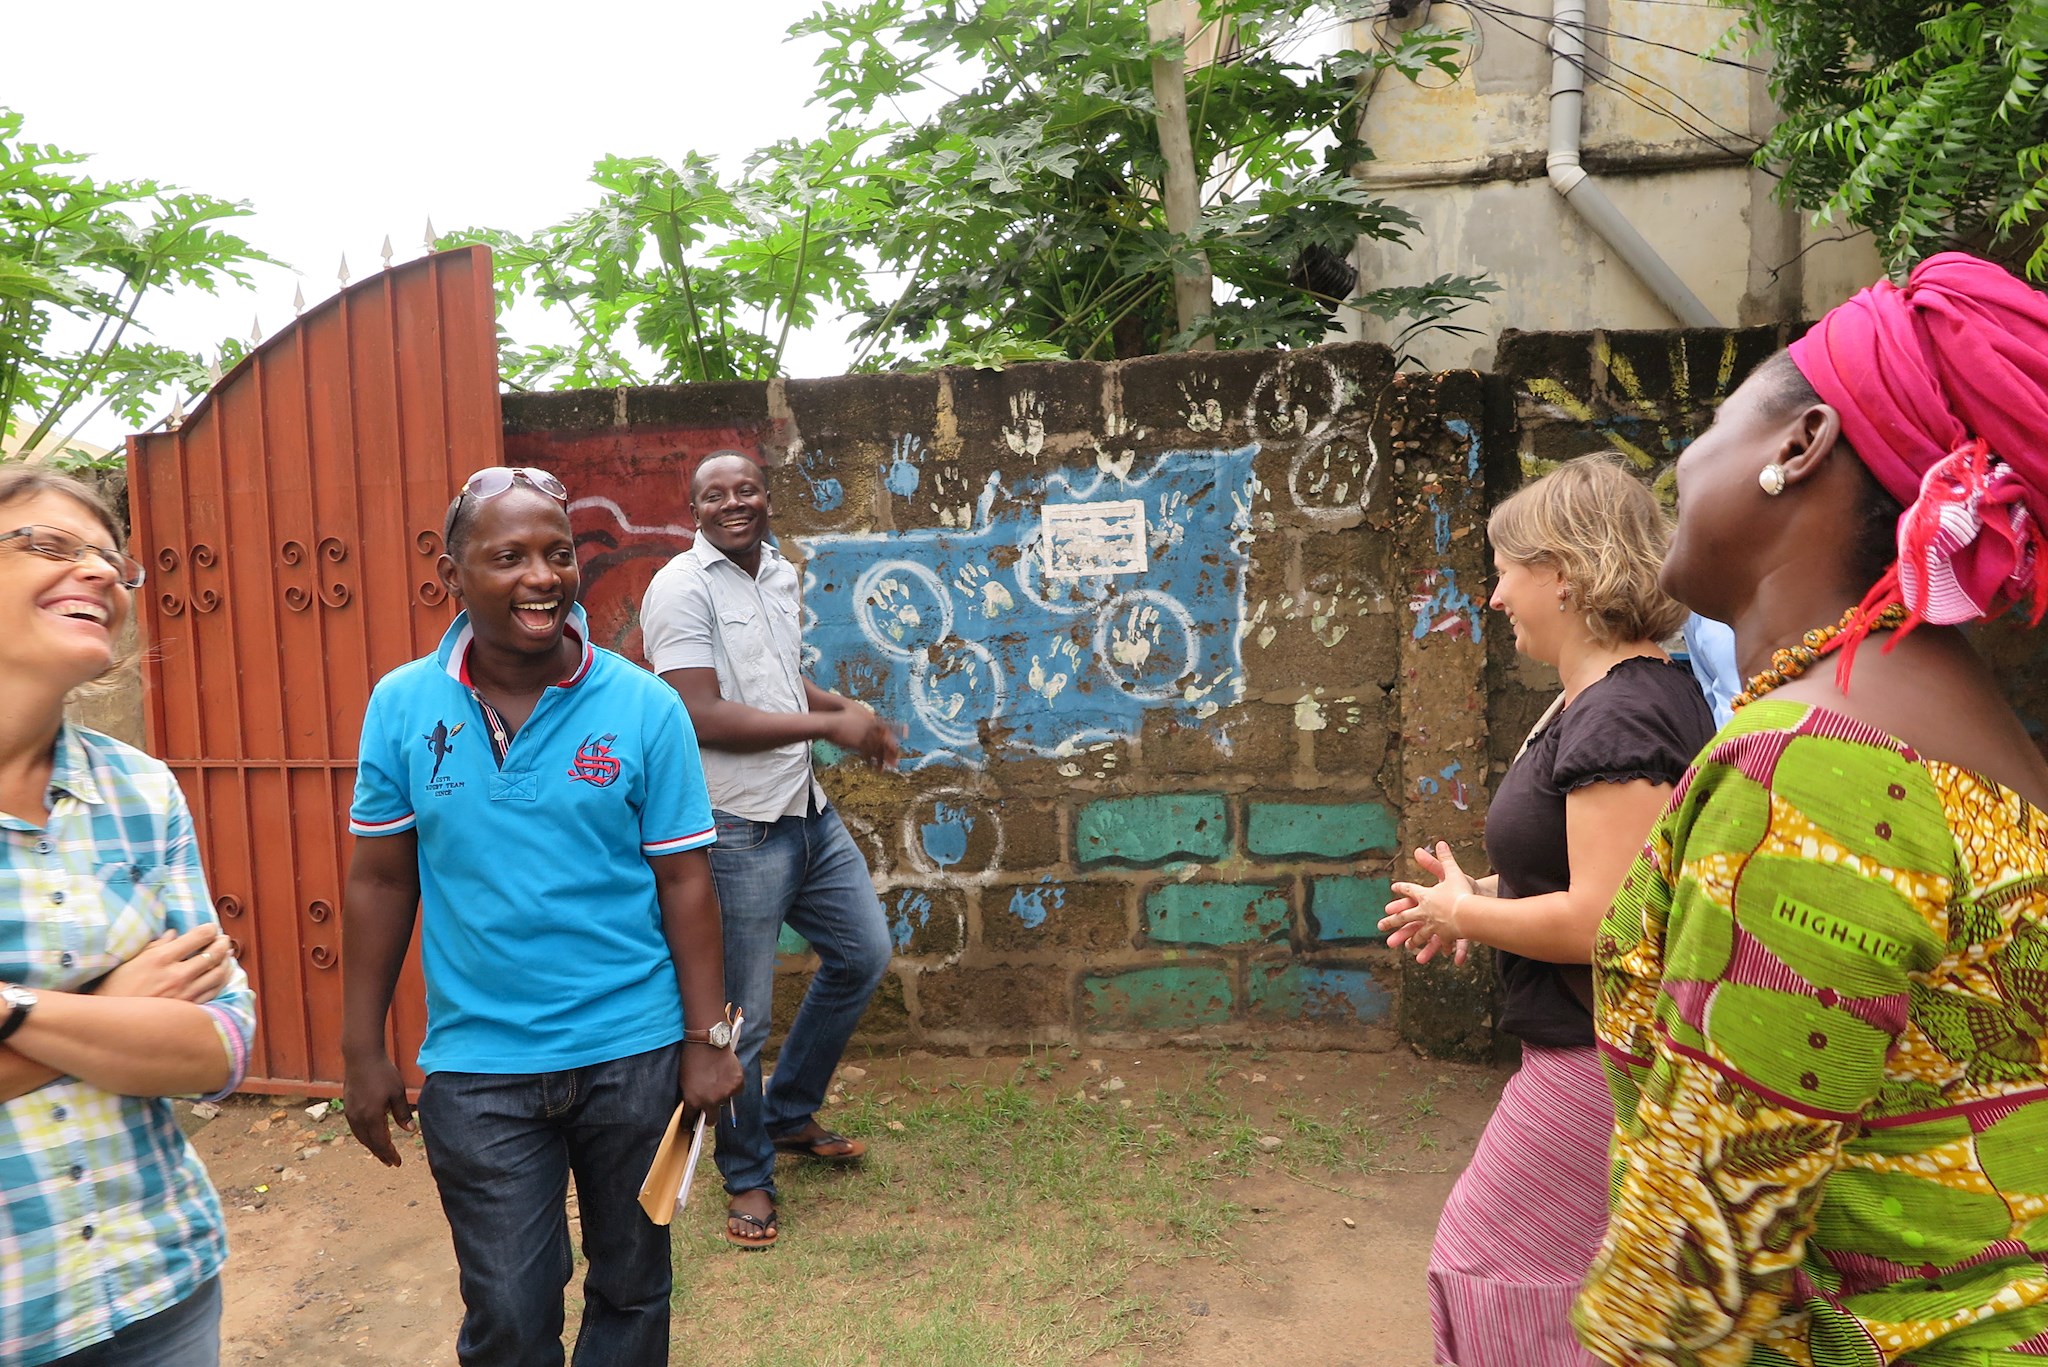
(342, 274)
(256, 331)
(387, 251)
(431, 234)
(177, 418)
(213, 372)
(298, 299)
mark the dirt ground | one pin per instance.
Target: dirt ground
(337, 1259)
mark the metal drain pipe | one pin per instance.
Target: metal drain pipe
(1581, 191)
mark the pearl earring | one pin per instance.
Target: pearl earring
(1772, 479)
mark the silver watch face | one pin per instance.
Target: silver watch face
(719, 1036)
(17, 998)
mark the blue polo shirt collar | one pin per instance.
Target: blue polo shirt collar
(455, 642)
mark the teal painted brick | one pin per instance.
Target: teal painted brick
(1145, 830)
(1216, 913)
(1316, 995)
(1336, 830)
(789, 942)
(1175, 997)
(1348, 908)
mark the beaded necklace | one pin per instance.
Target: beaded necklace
(1789, 662)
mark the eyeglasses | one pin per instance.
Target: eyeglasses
(59, 544)
(489, 483)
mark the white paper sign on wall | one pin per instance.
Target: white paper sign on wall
(1085, 539)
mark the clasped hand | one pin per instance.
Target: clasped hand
(1423, 918)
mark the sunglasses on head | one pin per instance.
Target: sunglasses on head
(495, 480)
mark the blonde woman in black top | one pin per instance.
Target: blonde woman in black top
(1578, 553)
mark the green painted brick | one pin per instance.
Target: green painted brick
(1216, 913)
(1348, 908)
(1315, 994)
(1145, 830)
(789, 942)
(1175, 997)
(1335, 830)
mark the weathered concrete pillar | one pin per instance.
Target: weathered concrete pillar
(1439, 510)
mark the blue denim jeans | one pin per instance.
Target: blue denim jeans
(501, 1147)
(186, 1335)
(806, 871)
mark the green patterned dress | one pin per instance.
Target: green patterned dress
(1822, 1004)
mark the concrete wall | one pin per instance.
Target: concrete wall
(1664, 133)
(1158, 800)
(1186, 647)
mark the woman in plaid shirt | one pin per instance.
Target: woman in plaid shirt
(111, 1237)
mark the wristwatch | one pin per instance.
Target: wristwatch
(19, 1001)
(719, 1036)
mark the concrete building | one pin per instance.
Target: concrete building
(1666, 222)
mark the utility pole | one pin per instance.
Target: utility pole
(1165, 22)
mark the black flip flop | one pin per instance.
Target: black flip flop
(768, 1227)
(809, 1146)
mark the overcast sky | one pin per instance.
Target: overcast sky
(341, 124)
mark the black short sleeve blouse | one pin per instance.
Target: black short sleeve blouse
(1645, 719)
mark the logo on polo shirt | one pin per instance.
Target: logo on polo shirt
(439, 746)
(594, 762)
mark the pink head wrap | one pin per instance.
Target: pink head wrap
(1943, 391)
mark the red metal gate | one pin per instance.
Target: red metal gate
(291, 528)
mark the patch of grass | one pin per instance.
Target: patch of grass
(992, 1222)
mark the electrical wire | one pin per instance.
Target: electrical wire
(1745, 144)
(1501, 14)
(1749, 145)
(1606, 32)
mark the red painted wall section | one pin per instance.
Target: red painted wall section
(629, 503)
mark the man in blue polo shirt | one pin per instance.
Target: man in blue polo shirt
(541, 802)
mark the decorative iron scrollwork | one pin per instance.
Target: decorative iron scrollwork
(431, 591)
(331, 590)
(323, 957)
(228, 905)
(319, 911)
(201, 556)
(334, 593)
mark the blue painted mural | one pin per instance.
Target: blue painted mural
(1077, 601)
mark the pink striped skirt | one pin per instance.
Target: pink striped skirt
(1525, 1219)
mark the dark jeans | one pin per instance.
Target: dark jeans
(502, 1147)
(186, 1335)
(804, 870)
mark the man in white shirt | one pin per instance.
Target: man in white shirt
(721, 623)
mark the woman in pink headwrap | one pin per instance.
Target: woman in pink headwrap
(1822, 992)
